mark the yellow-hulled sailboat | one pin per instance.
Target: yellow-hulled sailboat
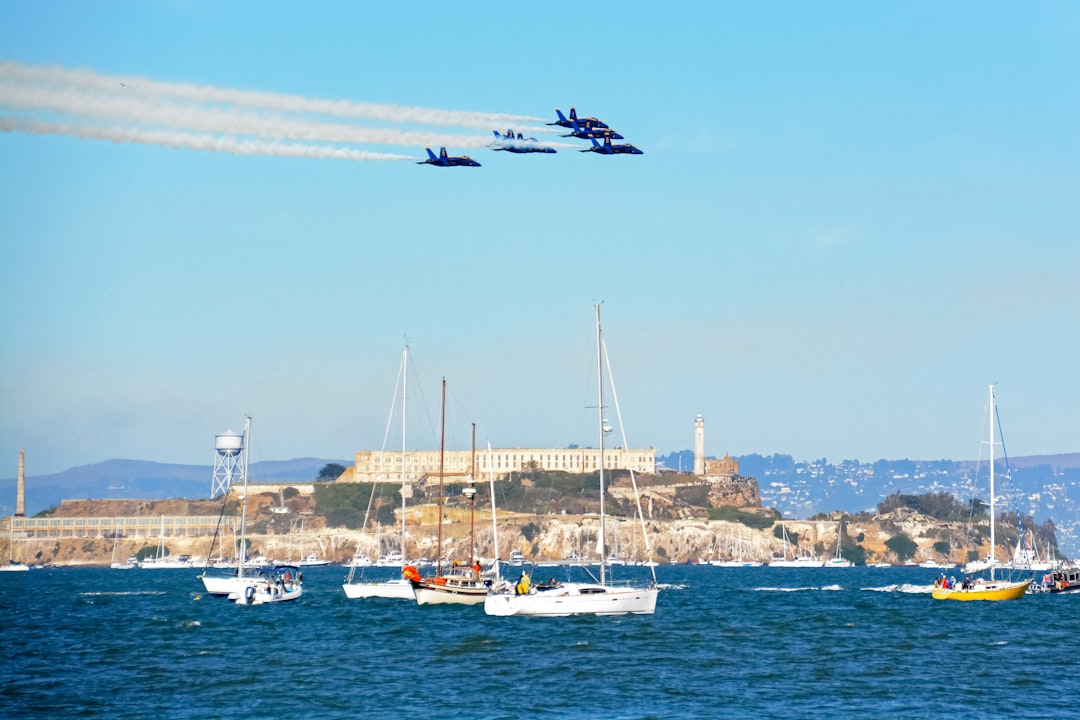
(982, 588)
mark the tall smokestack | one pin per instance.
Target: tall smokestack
(19, 505)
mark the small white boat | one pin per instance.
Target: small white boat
(735, 563)
(162, 561)
(313, 560)
(281, 584)
(165, 563)
(360, 561)
(794, 560)
(838, 560)
(13, 566)
(390, 560)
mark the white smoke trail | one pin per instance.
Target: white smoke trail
(84, 78)
(528, 143)
(133, 108)
(211, 143)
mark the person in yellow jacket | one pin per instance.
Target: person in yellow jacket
(523, 584)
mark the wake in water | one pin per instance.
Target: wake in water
(101, 593)
(825, 588)
(901, 588)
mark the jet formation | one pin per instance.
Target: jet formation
(587, 128)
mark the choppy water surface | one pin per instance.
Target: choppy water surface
(865, 642)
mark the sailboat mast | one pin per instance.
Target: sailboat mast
(992, 539)
(494, 526)
(600, 413)
(404, 383)
(243, 501)
(472, 501)
(442, 459)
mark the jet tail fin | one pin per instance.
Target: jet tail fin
(430, 154)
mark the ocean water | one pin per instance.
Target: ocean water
(724, 642)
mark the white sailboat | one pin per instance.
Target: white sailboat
(119, 564)
(271, 585)
(253, 586)
(395, 588)
(582, 598)
(838, 560)
(162, 561)
(738, 556)
(312, 559)
(461, 584)
(1025, 557)
(790, 559)
(986, 588)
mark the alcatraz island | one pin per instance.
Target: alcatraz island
(544, 513)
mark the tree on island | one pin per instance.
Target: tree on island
(903, 546)
(331, 471)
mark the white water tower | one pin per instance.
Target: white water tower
(228, 462)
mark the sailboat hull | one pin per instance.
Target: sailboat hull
(220, 586)
(985, 590)
(265, 593)
(398, 589)
(575, 599)
(449, 592)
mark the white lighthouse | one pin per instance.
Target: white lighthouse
(699, 446)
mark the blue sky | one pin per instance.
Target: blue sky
(849, 217)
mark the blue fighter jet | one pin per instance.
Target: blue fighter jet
(588, 123)
(520, 144)
(608, 149)
(444, 160)
(592, 133)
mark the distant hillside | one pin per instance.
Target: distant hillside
(144, 480)
(1041, 487)
(1060, 462)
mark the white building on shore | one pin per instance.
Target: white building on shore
(384, 466)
